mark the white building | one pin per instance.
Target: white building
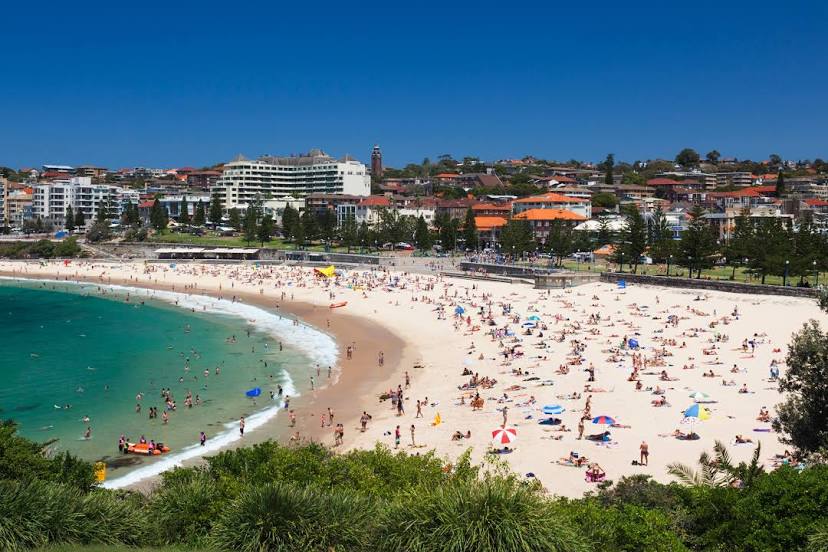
(276, 178)
(50, 201)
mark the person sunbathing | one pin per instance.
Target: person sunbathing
(740, 440)
(744, 389)
(457, 436)
(602, 437)
(659, 402)
(574, 459)
(764, 415)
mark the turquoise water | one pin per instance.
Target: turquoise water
(64, 344)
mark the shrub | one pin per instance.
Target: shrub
(284, 517)
(39, 513)
(495, 514)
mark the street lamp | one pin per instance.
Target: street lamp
(690, 259)
(785, 277)
(669, 260)
(747, 274)
(621, 263)
(816, 272)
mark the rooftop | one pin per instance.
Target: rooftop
(549, 214)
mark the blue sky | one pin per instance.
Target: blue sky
(186, 83)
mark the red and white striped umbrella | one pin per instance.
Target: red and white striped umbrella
(504, 435)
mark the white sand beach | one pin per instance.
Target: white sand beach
(684, 333)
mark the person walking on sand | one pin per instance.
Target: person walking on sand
(292, 416)
(580, 429)
(241, 426)
(397, 437)
(413, 444)
(645, 453)
(505, 414)
(419, 409)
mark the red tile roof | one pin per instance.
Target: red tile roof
(816, 202)
(488, 223)
(375, 201)
(551, 198)
(549, 214)
(662, 182)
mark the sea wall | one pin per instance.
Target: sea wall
(714, 285)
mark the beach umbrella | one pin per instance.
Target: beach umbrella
(255, 392)
(504, 436)
(534, 317)
(459, 310)
(633, 343)
(697, 411)
(699, 396)
(553, 409)
(528, 325)
(604, 420)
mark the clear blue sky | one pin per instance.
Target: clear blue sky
(179, 83)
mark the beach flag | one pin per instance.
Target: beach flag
(622, 284)
(437, 420)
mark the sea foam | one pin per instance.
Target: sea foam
(316, 345)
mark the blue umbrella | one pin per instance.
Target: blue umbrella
(603, 420)
(533, 317)
(459, 310)
(633, 343)
(255, 392)
(553, 409)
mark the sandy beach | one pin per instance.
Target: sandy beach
(521, 349)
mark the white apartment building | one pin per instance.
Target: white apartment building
(2, 201)
(50, 201)
(272, 179)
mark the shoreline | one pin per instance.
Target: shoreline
(411, 318)
(355, 379)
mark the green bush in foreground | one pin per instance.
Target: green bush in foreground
(495, 514)
(39, 513)
(282, 517)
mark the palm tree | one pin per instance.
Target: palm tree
(720, 470)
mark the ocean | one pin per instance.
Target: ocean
(76, 352)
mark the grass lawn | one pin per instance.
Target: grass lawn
(715, 273)
(104, 548)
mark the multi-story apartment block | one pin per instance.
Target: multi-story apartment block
(272, 179)
(51, 201)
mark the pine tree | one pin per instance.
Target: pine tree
(470, 234)
(661, 237)
(80, 219)
(250, 226)
(609, 165)
(235, 218)
(698, 243)
(422, 236)
(215, 209)
(780, 184)
(103, 212)
(632, 240)
(265, 229)
(70, 219)
(184, 211)
(199, 218)
(158, 215)
(349, 232)
(289, 219)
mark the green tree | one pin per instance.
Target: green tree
(713, 156)
(516, 238)
(560, 242)
(422, 235)
(290, 217)
(310, 229)
(364, 235)
(158, 215)
(662, 245)
(780, 184)
(298, 233)
(200, 217)
(103, 211)
(632, 240)
(470, 234)
(250, 224)
(235, 218)
(719, 471)
(327, 225)
(609, 165)
(698, 243)
(349, 232)
(741, 243)
(633, 177)
(604, 199)
(215, 209)
(265, 231)
(604, 236)
(448, 235)
(687, 158)
(70, 219)
(184, 211)
(802, 416)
